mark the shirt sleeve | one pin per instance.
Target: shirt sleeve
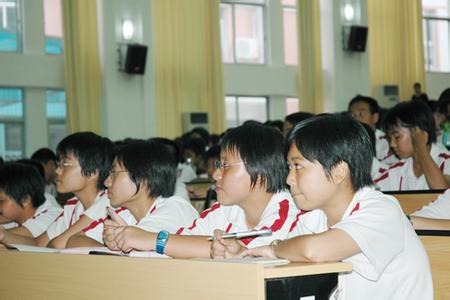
(41, 222)
(58, 226)
(210, 219)
(98, 209)
(439, 209)
(378, 229)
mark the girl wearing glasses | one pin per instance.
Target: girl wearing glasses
(250, 185)
(140, 186)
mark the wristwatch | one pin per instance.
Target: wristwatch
(161, 241)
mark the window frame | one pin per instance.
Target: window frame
(237, 96)
(427, 48)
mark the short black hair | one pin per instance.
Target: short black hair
(19, 181)
(213, 152)
(444, 101)
(371, 133)
(34, 163)
(262, 150)
(411, 114)
(149, 162)
(202, 132)
(44, 155)
(198, 146)
(373, 104)
(93, 152)
(171, 145)
(297, 117)
(334, 138)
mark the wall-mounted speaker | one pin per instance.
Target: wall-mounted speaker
(134, 60)
(355, 38)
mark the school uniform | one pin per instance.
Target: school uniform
(186, 173)
(43, 217)
(392, 264)
(439, 209)
(165, 214)
(71, 213)
(180, 190)
(278, 215)
(400, 176)
(378, 168)
(381, 145)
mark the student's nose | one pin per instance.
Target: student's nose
(217, 174)
(108, 181)
(290, 179)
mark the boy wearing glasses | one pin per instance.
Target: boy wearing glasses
(84, 160)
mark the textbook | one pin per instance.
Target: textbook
(84, 250)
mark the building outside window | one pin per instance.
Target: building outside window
(436, 32)
(56, 116)
(10, 40)
(242, 31)
(290, 32)
(11, 123)
(243, 108)
(53, 27)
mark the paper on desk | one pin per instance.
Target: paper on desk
(26, 248)
(255, 260)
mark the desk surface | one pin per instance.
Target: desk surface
(53, 276)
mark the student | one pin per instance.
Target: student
(23, 204)
(378, 167)
(329, 162)
(424, 163)
(140, 187)
(211, 156)
(366, 110)
(434, 216)
(418, 94)
(84, 162)
(47, 158)
(293, 119)
(250, 192)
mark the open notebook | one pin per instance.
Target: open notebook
(85, 250)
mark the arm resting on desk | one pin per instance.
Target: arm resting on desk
(82, 240)
(432, 224)
(15, 237)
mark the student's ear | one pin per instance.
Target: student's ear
(340, 172)
(94, 176)
(27, 202)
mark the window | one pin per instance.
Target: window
(53, 27)
(240, 109)
(436, 25)
(290, 32)
(292, 106)
(242, 31)
(11, 123)
(56, 116)
(9, 26)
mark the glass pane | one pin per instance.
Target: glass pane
(56, 104)
(249, 34)
(290, 36)
(435, 8)
(289, 2)
(53, 27)
(56, 132)
(231, 111)
(436, 45)
(9, 26)
(11, 104)
(252, 108)
(292, 105)
(226, 33)
(245, 1)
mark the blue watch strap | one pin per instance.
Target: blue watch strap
(161, 241)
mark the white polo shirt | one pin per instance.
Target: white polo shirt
(400, 176)
(71, 213)
(439, 209)
(43, 217)
(165, 214)
(381, 145)
(278, 215)
(392, 264)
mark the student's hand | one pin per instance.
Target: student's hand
(225, 248)
(419, 140)
(197, 192)
(264, 251)
(132, 238)
(110, 230)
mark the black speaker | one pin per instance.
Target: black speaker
(135, 59)
(357, 38)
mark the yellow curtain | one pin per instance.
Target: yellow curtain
(188, 64)
(396, 44)
(310, 63)
(81, 65)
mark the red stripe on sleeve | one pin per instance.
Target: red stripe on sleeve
(153, 209)
(302, 212)
(356, 208)
(100, 221)
(283, 212)
(72, 201)
(202, 216)
(228, 228)
(41, 213)
(384, 176)
(441, 167)
(444, 155)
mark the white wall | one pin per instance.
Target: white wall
(436, 83)
(128, 100)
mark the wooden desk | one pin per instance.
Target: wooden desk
(411, 201)
(65, 276)
(437, 245)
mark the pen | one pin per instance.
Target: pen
(244, 234)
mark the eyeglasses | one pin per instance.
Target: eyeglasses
(63, 164)
(113, 173)
(222, 166)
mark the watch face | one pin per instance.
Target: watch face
(163, 235)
